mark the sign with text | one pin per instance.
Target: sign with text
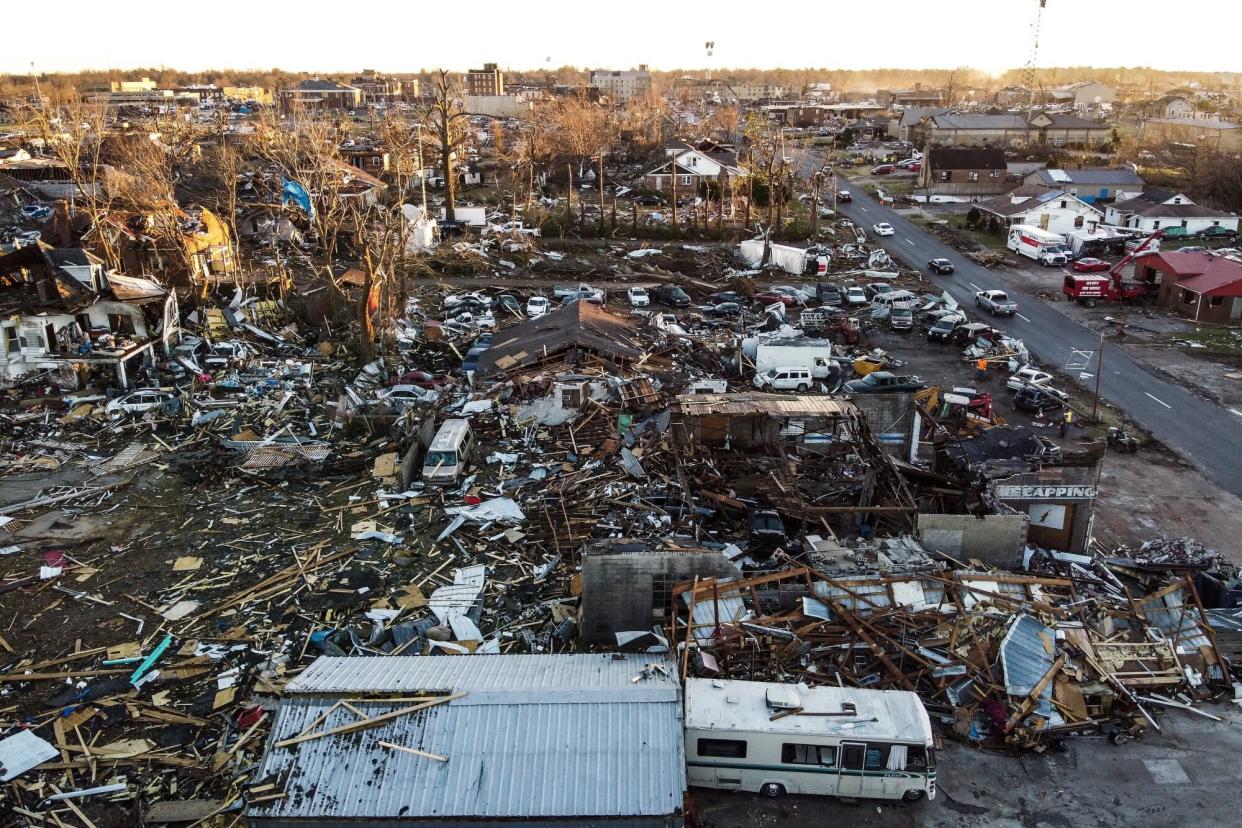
(1046, 492)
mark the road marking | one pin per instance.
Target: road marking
(1023, 318)
(973, 285)
(1162, 402)
(1236, 411)
(865, 210)
(907, 241)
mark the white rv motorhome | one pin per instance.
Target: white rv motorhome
(785, 738)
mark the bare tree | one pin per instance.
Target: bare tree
(75, 133)
(447, 120)
(765, 145)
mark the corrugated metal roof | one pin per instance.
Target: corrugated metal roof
(577, 739)
(775, 405)
(1179, 623)
(407, 674)
(1026, 657)
(708, 611)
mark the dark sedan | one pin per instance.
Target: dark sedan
(882, 382)
(941, 266)
(722, 310)
(1035, 399)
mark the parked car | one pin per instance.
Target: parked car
(537, 306)
(828, 295)
(942, 329)
(141, 401)
(901, 319)
(768, 297)
(844, 196)
(941, 266)
(784, 379)
(423, 379)
(798, 294)
(1035, 399)
(451, 228)
(726, 296)
(723, 310)
(877, 289)
(1090, 265)
(28, 237)
(855, 296)
(880, 382)
(672, 295)
(883, 169)
(996, 302)
(638, 297)
(767, 528)
(883, 229)
(468, 301)
(36, 212)
(649, 200)
(1029, 377)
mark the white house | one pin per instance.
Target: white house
(705, 161)
(1055, 211)
(1084, 94)
(1169, 211)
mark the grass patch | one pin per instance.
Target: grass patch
(985, 239)
(1218, 338)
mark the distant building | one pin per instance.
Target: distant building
(963, 171)
(1090, 185)
(314, 93)
(1083, 94)
(622, 86)
(486, 81)
(1169, 106)
(918, 96)
(1052, 210)
(1013, 96)
(1171, 212)
(247, 93)
(1009, 130)
(377, 89)
(1213, 133)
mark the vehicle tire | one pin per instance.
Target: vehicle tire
(913, 796)
(802, 388)
(1133, 448)
(1090, 303)
(978, 304)
(772, 790)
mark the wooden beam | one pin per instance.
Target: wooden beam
(367, 723)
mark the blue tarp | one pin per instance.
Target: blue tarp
(295, 193)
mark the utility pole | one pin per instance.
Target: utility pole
(1099, 372)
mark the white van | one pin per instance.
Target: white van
(785, 379)
(449, 455)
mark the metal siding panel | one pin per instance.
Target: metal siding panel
(506, 760)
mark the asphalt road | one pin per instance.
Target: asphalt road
(1205, 433)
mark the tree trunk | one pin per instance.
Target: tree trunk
(569, 193)
(673, 179)
(602, 226)
(446, 169)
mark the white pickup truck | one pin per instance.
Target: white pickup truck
(996, 302)
(579, 291)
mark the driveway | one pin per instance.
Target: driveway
(1197, 429)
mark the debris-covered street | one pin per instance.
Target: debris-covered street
(394, 469)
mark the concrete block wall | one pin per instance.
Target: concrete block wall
(620, 590)
(996, 539)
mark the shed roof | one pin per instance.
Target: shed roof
(578, 325)
(967, 158)
(750, 403)
(1112, 177)
(569, 737)
(1222, 278)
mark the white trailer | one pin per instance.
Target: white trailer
(784, 738)
(789, 259)
(1032, 242)
(815, 355)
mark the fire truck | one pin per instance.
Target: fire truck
(1089, 288)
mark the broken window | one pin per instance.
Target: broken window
(1078, 220)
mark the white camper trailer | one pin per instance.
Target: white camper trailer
(784, 738)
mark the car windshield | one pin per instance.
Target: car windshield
(440, 459)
